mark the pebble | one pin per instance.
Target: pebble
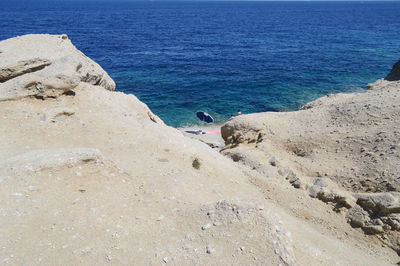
(161, 217)
(165, 259)
(216, 223)
(210, 250)
(206, 226)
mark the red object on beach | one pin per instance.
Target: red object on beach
(217, 131)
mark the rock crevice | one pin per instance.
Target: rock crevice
(23, 67)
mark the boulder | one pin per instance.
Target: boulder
(357, 216)
(243, 129)
(227, 131)
(379, 203)
(373, 229)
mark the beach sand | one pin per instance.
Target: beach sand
(212, 136)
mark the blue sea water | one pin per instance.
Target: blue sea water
(180, 57)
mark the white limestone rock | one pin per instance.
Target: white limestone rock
(45, 66)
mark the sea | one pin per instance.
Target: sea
(218, 57)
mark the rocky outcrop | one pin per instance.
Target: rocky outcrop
(353, 139)
(341, 149)
(23, 67)
(325, 190)
(49, 68)
(378, 214)
(380, 203)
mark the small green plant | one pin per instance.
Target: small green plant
(82, 190)
(196, 163)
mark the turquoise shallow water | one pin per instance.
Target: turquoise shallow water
(180, 57)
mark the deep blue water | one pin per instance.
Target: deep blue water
(180, 57)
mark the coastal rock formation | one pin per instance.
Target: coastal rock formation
(91, 176)
(353, 139)
(51, 67)
(343, 148)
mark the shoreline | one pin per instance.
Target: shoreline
(212, 136)
(208, 134)
(203, 126)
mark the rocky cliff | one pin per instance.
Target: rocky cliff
(91, 176)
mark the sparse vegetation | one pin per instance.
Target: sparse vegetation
(196, 163)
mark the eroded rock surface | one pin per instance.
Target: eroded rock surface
(49, 68)
(38, 160)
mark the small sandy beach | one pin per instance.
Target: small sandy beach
(211, 134)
